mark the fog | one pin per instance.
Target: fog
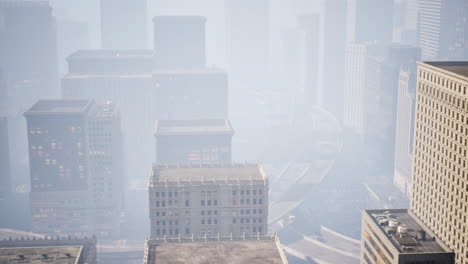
(320, 93)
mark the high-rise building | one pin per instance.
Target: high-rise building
(332, 56)
(440, 167)
(370, 20)
(228, 249)
(123, 24)
(405, 129)
(200, 93)
(398, 236)
(208, 200)
(310, 25)
(123, 77)
(5, 180)
(442, 29)
(75, 164)
(180, 42)
(193, 141)
(71, 36)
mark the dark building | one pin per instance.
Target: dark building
(193, 141)
(179, 42)
(370, 20)
(123, 77)
(5, 180)
(123, 24)
(191, 94)
(39, 249)
(332, 56)
(75, 164)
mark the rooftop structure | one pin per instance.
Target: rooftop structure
(208, 173)
(397, 236)
(194, 127)
(112, 54)
(454, 67)
(257, 249)
(47, 107)
(38, 255)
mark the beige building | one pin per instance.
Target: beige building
(208, 200)
(246, 249)
(398, 237)
(440, 169)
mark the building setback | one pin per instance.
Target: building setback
(193, 141)
(440, 169)
(246, 249)
(208, 200)
(75, 163)
(398, 237)
(123, 24)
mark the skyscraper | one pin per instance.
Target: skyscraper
(5, 180)
(370, 20)
(180, 42)
(75, 163)
(442, 28)
(332, 56)
(123, 24)
(208, 200)
(440, 168)
(405, 129)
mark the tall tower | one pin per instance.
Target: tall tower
(440, 167)
(123, 24)
(442, 29)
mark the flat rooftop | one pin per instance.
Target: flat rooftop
(187, 71)
(39, 255)
(224, 251)
(193, 127)
(184, 19)
(112, 54)
(44, 107)
(409, 242)
(457, 67)
(230, 172)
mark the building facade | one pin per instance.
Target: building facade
(124, 24)
(74, 153)
(398, 237)
(124, 78)
(208, 200)
(193, 141)
(440, 169)
(405, 130)
(5, 173)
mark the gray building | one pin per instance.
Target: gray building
(208, 200)
(397, 236)
(124, 24)
(123, 77)
(193, 141)
(245, 249)
(5, 173)
(75, 163)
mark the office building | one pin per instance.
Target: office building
(440, 169)
(442, 28)
(193, 141)
(48, 250)
(123, 77)
(191, 94)
(208, 200)
(369, 21)
(309, 24)
(397, 236)
(124, 24)
(180, 42)
(332, 56)
(405, 129)
(71, 36)
(75, 164)
(246, 249)
(5, 176)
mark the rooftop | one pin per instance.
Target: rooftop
(112, 54)
(251, 250)
(179, 19)
(38, 255)
(408, 234)
(208, 173)
(193, 127)
(181, 71)
(457, 67)
(46, 107)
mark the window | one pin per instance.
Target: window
(234, 192)
(187, 203)
(202, 202)
(215, 202)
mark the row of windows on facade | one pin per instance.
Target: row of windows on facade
(440, 80)
(175, 231)
(209, 193)
(170, 203)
